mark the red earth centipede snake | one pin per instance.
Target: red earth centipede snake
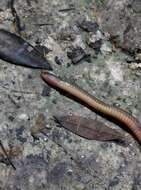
(114, 112)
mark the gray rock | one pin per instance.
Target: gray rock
(122, 20)
(3, 4)
(58, 159)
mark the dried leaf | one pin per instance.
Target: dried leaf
(89, 128)
(16, 50)
(14, 152)
(7, 154)
(40, 124)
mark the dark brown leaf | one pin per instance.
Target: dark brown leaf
(89, 128)
(16, 50)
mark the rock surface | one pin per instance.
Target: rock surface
(55, 158)
(122, 20)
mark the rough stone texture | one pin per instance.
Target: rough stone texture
(122, 20)
(3, 4)
(57, 159)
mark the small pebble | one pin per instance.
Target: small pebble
(23, 116)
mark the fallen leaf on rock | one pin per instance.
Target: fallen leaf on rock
(7, 154)
(16, 50)
(90, 129)
(40, 124)
(13, 152)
